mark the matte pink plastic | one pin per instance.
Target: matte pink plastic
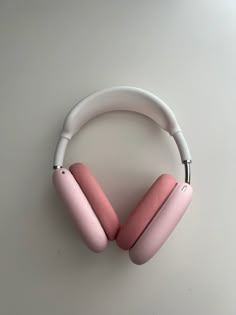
(145, 211)
(97, 199)
(74, 199)
(162, 224)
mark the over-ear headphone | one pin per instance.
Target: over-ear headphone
(162, 206)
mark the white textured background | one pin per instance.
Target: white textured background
(52, 53)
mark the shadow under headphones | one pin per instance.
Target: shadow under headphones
(156, 215)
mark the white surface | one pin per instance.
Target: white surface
(52, 54)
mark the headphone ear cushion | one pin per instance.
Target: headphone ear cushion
(162, 224)
(97, 199)
(145, 211)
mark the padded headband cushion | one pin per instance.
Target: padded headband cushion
(145, 211)
(97, 199)
(121, 98)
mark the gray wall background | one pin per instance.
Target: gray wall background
(52, 54)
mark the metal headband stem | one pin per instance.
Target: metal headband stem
(187, 171)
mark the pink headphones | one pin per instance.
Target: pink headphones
(162, 206)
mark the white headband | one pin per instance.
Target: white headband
(122, 98)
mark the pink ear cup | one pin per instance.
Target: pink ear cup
(162, 224)
(90, 228)
(97, 199)
(145, 211)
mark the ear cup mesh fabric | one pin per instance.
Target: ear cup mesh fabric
(97, 199)
(145, 211)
